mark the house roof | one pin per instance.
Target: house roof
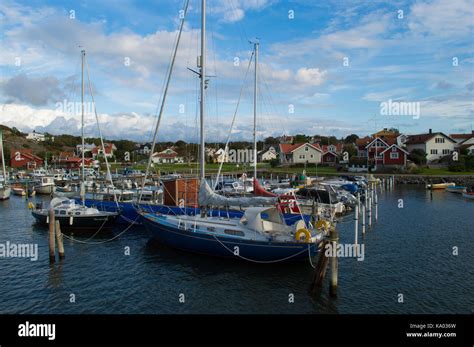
(339, 147)
(395, 145)
(27, 153)
(287, 148)
(462, 136)
(423, 138)
(109, 147)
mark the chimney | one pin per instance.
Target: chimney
(430, 131)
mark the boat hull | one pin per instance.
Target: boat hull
(456, 189)
(440, 185)
(77, 222)
(45, 190)
(468, 196)
(129, 211)
(225, 247)
(5, 193)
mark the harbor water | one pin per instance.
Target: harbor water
(421, 247)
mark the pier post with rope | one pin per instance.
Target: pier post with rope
(320, 270)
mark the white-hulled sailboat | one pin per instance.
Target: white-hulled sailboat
(260, 235)
(69, 213)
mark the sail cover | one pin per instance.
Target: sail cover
(207, 197)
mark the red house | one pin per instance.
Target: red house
(394, 155)
(24, 158)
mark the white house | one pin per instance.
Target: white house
(435, 145)
(267, 155)
(168, 156)
(36, 136)
(300, 153)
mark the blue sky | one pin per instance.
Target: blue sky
(404, 57)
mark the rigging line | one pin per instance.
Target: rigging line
(272, 102)
(168, 79)
(226, 148)
(100, 132)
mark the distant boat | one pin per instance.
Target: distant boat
(45, 185)
(21, 190)
(456, 189)
(443, 185)
(468, 193)
(72, 215)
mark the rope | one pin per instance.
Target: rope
(262, 261)
(100, 242)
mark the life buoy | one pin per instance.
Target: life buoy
(305, 232)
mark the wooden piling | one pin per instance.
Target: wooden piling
(59, 240)
(356, 224)
(376, 207)
(320, 269)
(334, 237)
(52, 244)
(363, 219)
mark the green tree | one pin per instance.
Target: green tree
(351, 138)
(418, 156)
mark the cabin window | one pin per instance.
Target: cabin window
(394, 155)
(78, 213)
(196, 226)
(62, 212)
(234, 232)
(211, 229)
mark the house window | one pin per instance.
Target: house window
(446, 151)
(434, 151)
(302, 156)
(394, 155)
(394, 149)
(312, 156)
(306, 149)
(439, 140)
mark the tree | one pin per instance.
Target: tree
(351, 138)
(350, 149)
(418, 156)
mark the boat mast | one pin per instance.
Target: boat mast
(4, 172)
(255, 113)
(83, 55)
(202, 62)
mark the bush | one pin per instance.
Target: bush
(274, 162)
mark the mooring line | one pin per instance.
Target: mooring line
(262, 261)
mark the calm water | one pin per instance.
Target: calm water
(409, 251)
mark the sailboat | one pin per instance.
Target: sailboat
(67, 211)
(5, 189)
(260, 235)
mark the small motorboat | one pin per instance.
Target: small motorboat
(73, 215)
(468, 193)
(45, 185)
(443, 185)
(21, 190)
(456, 189)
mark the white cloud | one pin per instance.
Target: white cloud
(310, 76)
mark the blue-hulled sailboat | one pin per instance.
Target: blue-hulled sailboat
(259, 235)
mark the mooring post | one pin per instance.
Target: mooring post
(376, 207)
(52, 244)
(356, 224)
(369, 212)
(334, 237)
(363, 219)
(59, 240)
(320, 269)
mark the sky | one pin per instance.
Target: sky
(324, 67)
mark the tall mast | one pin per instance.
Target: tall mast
(202, 172)
(255, 113)
(4, 172)
(83, 55)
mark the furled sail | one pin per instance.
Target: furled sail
(207, 197)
